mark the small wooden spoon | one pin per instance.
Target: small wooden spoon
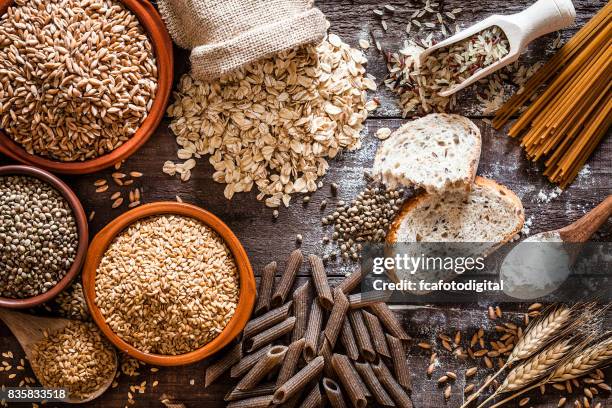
(581, 230)
(29, 330)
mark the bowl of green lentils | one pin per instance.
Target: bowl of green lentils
(43, 236)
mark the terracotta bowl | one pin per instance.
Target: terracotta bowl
(82, 230)
(162, 46)
(246, 301)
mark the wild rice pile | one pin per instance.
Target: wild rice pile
(167, 285)
(77, 77)
(274, 123)
(418, 87)
(77, 358)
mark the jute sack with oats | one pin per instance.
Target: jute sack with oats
(224, 35)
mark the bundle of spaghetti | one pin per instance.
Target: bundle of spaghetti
(566, 122)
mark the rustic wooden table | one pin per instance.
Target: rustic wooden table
(266, 239)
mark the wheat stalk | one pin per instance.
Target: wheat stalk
(537, 335)
(583, 362)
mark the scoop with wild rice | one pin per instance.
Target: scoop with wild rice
(77, 77)
(167, 285)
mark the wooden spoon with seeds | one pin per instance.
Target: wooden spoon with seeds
(29, 330)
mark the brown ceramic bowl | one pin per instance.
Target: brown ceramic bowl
(82, 230)
(246, 301)
(162, 46)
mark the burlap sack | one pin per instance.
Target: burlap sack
(227, 34)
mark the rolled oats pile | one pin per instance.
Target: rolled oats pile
(418, 86)
(167, 285)
(77, 358)
(274, 123)
(77, 77)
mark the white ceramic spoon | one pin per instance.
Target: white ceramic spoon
(30, 329)
(543, 17)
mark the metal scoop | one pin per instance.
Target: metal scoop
(543, 17)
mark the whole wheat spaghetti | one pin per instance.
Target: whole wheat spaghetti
(569, 118)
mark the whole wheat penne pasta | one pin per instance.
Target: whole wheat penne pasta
(314, 398)
(396, 391)
(400, 363)
(348, 284)
(366, 349)
(301, 304)
(326, 352)
(311, 336)
(269, 361)
(269, 335)
(334, 394)
(266, 283)
(214, 371)
(255, 402)
(359, 300)
(247, 362)
(336, 317)
(350, 380)
(347, 338)
(288, 277)
(294, 351)
(260, 390)
(267, 320)
(378, 391)
(299, 381)
(321, 283)
(376, 333)
(389, 320)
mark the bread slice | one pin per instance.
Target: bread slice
(438, 152)
(489, 213)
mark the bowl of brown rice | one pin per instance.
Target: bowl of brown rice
(168, 283)
(80, 99)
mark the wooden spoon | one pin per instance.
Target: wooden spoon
(29, 330)
(581, 230)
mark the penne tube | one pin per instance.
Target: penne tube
(286, 282)
(299, 381)
(366, 349)
(321, 283)
(255, 402)
(291, 361)
(247, 362)
(314, 398)
(266, 283)
(347, 338)
(333, 393)
(389, 320)
(349, 378)
(301, 302)
(348, 284)
(400, 363)
(326, 352)
(378, 391)
(260, 390)
(402, 400)
(376, 334)
(336, 318)
(360, 300)
(313, 329)
(214, 371)
(269, 335)
(267, 320)
(263, 367)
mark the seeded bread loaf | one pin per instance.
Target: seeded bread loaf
(438, 152)
(489, 213)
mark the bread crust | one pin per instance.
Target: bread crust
(412, 203)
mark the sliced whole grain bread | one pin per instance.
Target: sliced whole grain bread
(438, 152)
(489, 213)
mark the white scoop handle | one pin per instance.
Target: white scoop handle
(542, 17)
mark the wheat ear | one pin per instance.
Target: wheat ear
(539, 333)
(591, 358)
